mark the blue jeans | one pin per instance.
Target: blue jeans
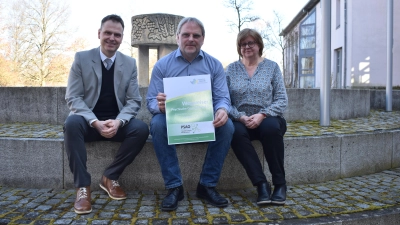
(167, 157)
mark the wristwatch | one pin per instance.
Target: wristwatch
(122, 122)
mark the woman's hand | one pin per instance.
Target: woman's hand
(253, 121)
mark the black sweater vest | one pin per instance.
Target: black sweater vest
(106, 106)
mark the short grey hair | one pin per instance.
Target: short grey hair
(190, 19)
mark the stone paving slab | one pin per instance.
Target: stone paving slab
(376, 121)
(347, 196)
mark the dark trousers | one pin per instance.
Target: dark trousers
(270, 134)
(76, 132)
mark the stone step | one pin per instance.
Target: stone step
(33, 155)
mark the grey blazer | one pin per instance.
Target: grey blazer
(84, 84)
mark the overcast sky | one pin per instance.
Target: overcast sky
(219, 40)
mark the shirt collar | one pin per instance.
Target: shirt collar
(179, 54)
(103, 57)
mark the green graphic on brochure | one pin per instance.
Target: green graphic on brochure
(190, 107)
(187, 118)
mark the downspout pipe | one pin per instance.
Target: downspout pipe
(326, 64)
(389, 80)
(345, 47)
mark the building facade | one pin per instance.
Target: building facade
(358, 45)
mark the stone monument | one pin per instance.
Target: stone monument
(156, 31)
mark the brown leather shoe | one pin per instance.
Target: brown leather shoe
(112, 188)
(83, 203)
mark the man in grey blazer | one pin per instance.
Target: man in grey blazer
(104, 100)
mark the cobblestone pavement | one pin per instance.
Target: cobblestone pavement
(347, 196)
(343, 196)
(377, 120)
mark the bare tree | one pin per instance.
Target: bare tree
(271, 37)
(20, 47)
(273, 41)
(7, 76)
(37, 37)
(2, 17)
(242, 9)
(78, 44)
(128, 49)
(47, 22)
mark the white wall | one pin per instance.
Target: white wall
(367, 43)
(337, 37)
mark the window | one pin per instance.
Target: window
(307, 45)
(338, 68)
(307, 81)
(307, 65)
(307, 42)
(337, 14)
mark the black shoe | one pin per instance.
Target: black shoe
(211, 196)
(170, 201)
(264, 193)
(279, 195)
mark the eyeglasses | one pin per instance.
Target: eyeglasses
(250, 44)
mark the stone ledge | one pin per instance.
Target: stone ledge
(42, 163)
(47, 104)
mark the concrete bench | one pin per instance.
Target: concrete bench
(42, 162)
